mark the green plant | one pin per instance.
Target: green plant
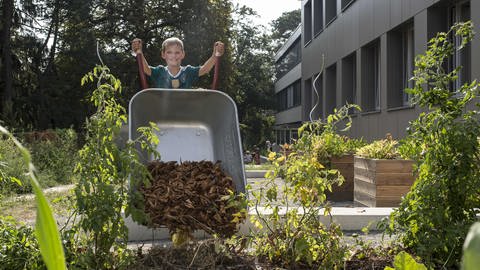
(292, 235)
(405, 261)
(18, 246)
(46, 229)
(56, 157)
(104, 170)
(471, 248)
(326, 140)
(435, 215)
(12, 168)
(380, 149)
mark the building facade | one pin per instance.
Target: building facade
(362, 52)
(288, 90)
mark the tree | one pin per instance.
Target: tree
(283, 27)
(252, 78)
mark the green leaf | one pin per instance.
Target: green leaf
(404, 261)
(471, 248)
(45, 228)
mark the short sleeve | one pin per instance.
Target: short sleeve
(155, 71)
(192, 74)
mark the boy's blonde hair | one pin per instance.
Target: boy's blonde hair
(170, 42)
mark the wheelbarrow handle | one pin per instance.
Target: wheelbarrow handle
(141, 73)
(215, 72)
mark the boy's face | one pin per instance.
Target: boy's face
(173, 55)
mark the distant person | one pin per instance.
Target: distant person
(174, 75)
(247, 158)
(269, 146)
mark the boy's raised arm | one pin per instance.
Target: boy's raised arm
(218, 50)
(137, 48)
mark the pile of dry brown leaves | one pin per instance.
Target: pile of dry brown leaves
(190, 196)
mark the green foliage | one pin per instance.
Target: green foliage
(252, 78)
(283, 27)
(102, 191)
(18, 246)
(298, 238)
(56, 157)
(471, 248)
(46, 229)
(435, 215)
(405, 261)
(380, 149)
(325, 138)
(12, 169)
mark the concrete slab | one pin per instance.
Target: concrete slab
(349, 218)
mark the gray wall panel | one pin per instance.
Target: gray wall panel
(381, 17)
(289, 78)
(289, 116)
(395, 13)
(365, 21)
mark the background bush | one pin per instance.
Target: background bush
(54, 154)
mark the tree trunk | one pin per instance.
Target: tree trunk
(6, 72)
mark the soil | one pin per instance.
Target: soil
(207, 254)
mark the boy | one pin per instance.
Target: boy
(173, 75)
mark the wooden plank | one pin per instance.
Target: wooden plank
(364, 163)
(365, 175)
(365, 187)
(392, 191)
(393, 165)
(361, 199)
(394, 179)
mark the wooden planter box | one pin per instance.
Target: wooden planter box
(344, 165)
(381, 182)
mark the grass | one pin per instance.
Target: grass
(265, 166)
(23, 207)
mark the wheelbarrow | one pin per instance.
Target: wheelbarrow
(195, 125)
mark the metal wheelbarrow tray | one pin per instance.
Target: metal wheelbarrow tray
(194, 125)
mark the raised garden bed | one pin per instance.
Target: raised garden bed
(344, 165)
(381, 182)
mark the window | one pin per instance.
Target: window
(330, 11)
(401, 63)
(291, 58)
(408, 57)
(349, 79)
(346, 3)
(370, 88)
(318, 16)
(331, 89)
(460, 12)
(307, 22)
(289, 97)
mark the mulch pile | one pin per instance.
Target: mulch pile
(190, 196)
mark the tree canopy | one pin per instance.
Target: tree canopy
(48, 45)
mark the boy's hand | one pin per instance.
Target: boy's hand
(218, 48)
(137, 45)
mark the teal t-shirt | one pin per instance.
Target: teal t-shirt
(162, 78)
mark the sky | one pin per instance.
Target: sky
(269, 9)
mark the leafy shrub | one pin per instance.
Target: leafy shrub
(298, 239)
(12, 168)
(380, 149)
(326, 140)
(102, 191)
(18, 246)
(56, 157)
(435, 215)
